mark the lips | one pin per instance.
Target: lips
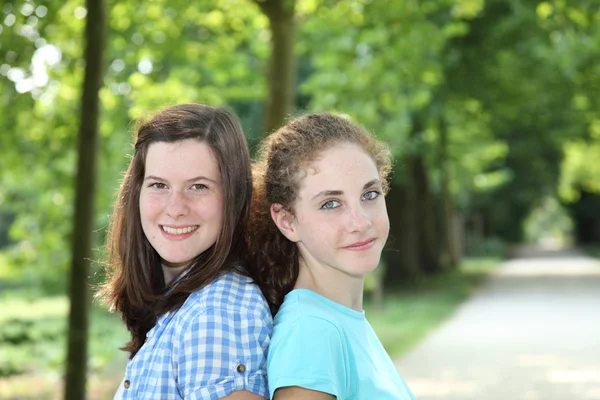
(363, 245)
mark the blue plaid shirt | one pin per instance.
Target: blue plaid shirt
(215, 344)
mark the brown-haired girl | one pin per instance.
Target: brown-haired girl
(319, 224)
(199, 327)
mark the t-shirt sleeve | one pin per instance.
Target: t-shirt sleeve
(222, 351)
(308, 352)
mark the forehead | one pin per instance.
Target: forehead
(342, 166)
(184, 157)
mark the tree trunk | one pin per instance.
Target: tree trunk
(449, 244)
(401, 253)
(458, 229)
(282, 64)
(76, 369)
(429, 256)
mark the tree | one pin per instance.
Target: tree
(85, 185)
(510, 53)
(160, 53)
(574, 27)
(383, 63)
(282, 64)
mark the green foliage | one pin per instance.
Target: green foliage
(354, 48)
(521, 71)
(515, 84)
(577, 171)
(159, 53)
(386, 64)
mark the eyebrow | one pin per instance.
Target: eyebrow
(369, 184)
(198, 178)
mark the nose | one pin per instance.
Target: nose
(177, 205)
(359, 219)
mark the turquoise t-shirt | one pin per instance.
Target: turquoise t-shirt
(322, 345)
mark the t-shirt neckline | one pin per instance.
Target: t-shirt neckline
(333, 304)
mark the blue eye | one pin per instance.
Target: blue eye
(330, 205)
(371, 195)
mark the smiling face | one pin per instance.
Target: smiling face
(340, 219)
(181, 201)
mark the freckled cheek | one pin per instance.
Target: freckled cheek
(315, 229)
(210, 210)
(383, 224)
(328, 234)
(150, 207)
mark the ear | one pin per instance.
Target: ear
(284, 221)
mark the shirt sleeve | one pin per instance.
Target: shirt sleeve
(222, 351)
(308, 352)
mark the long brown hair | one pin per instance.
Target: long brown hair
(136, 287)
(277, 175)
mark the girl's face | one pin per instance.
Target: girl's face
(340, 217)
(181, 200)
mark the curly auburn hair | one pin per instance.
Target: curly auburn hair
(277, 174)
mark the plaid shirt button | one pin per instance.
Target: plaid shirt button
(126, 384)
(241, 368)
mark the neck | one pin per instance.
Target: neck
(342, 288)
(170, 273)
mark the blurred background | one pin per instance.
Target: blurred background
(491, 108)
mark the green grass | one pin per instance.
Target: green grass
(33, 335)
(410, 314)
(33, 339)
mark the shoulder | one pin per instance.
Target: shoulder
(306, 339)
(299, 331)
(223, 333)
(231, 305)
(302, 305)
(309, 352)
(308, 317)
(230, 292)
(309, 348)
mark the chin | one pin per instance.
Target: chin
(371, 268)
(367, 264)
(362, 270)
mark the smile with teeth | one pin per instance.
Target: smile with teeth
(179, 231)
